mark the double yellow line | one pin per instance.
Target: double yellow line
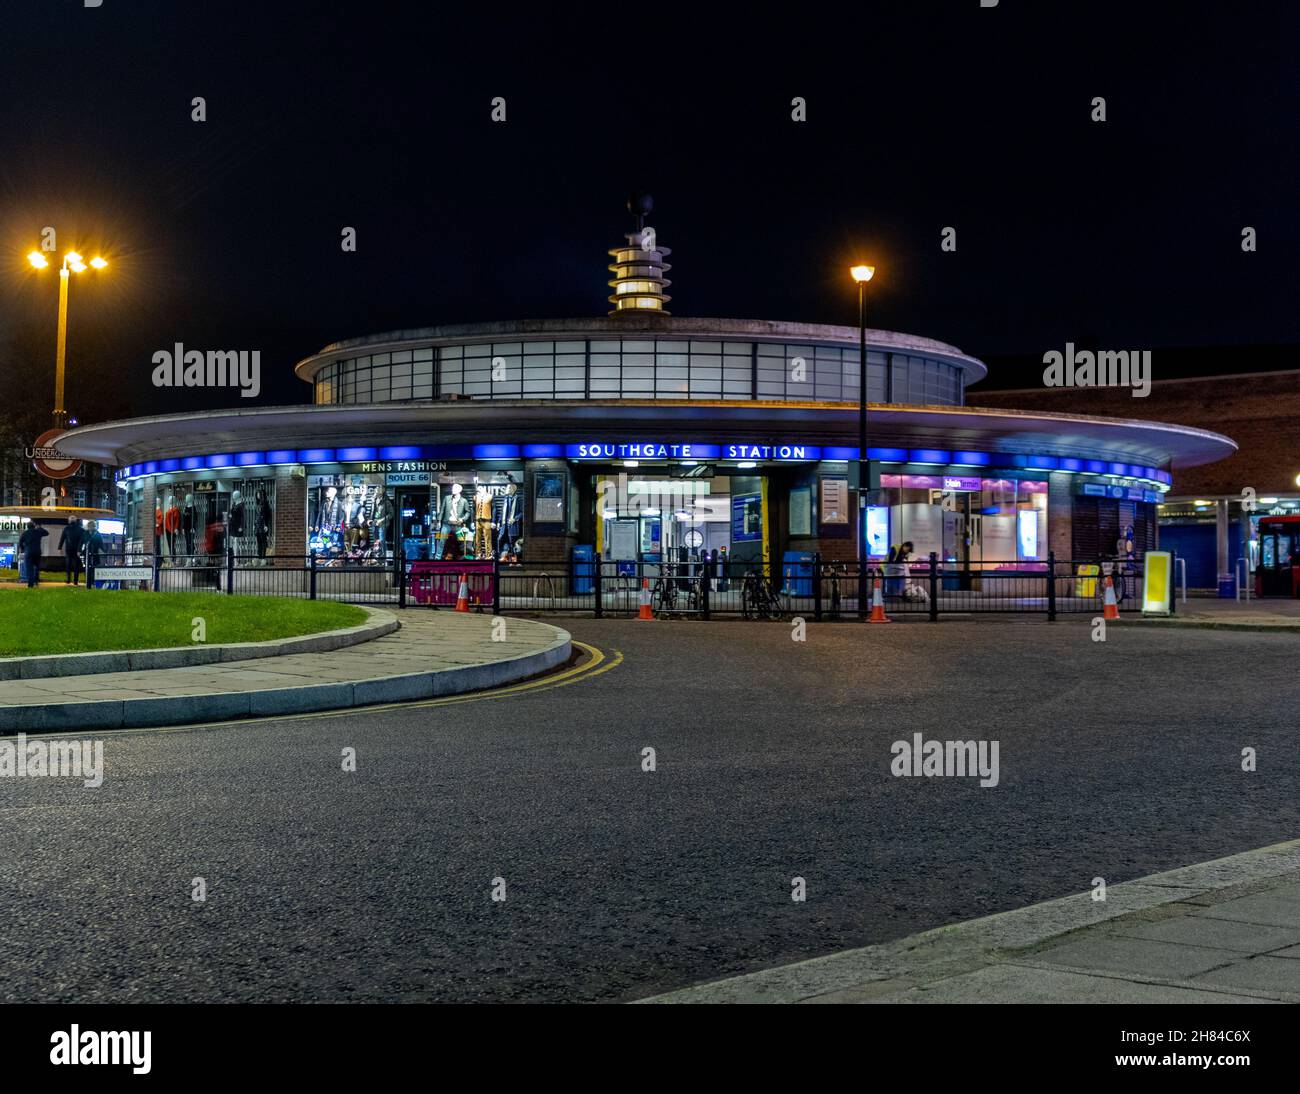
(593, 663)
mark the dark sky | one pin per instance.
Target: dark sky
(225, 234)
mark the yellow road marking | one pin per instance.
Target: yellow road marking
(596, 663)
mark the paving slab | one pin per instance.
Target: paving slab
(1220, 934)
(434, 653)
(1147, 942)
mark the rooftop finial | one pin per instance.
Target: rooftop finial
(639, 265)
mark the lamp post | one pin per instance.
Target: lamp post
(862, 274)
(72, 263)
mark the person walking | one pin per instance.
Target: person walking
(29, 545)
(72, 539)
(94, 548)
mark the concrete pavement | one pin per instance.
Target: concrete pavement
(1254, 615)
(1225, 931)
(433, 654)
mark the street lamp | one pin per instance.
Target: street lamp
(862, 274)
(72, 263)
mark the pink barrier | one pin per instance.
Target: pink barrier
(437, 582)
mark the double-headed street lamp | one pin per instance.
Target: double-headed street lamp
(862, 274)
(72, 263)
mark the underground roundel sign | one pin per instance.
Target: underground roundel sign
(48, 460)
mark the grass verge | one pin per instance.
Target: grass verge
(61, 619)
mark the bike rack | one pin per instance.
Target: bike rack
(1182, 576)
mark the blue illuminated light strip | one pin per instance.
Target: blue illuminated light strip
(646, 450)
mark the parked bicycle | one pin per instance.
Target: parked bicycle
(833, 573)
(759, 599)
(674, 593)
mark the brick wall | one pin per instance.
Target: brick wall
(1261, 413)
(146, 516)
(290, 516)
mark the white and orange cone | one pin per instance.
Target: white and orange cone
(462, 595)
(1110, 609)
(878, 606)
(644, 612)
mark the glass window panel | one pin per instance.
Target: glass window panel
(605, 347)
(570, 347)
(570, 360)
(401, 357)
(381, 359)
(671, 387)
(506, 349)
(539, 347)
(670, 360)
(736, 347)
(481, 350)
(445, 353)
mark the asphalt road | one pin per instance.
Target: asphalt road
(1117, 759)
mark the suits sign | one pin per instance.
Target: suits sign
(48, 459)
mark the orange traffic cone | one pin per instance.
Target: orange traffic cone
(462, 595)
(878, 606)
(1110, 610)
(645, 612)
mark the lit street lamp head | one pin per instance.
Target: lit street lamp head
(38, 260)
(863, 273)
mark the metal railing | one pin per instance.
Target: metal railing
(814, 589)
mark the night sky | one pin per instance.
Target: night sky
(225, 234)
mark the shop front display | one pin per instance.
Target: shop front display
(432, 511)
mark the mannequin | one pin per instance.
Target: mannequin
(187, 523)
(482, 522)
(171, 523)
(453, 516)
(380, 519)
(351, 506)
(158, 526)
(509, 522)
(262, 521)
(330, 517)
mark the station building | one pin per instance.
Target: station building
(642, 435)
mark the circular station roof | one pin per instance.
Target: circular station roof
(520, 421)
(646, 326)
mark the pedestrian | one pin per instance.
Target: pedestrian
(94, 548)
(29, 546)
(71, 541)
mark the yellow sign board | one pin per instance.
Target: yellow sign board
(1085, 579)
(1157, 589)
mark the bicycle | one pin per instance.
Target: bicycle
(1122, 576)
(670, 598)
(758, 598)
(834, 571)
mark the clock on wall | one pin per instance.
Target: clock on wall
(694, 538)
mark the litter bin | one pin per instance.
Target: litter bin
(584, 571)
(797, 573)
(1227, 586)
(952, 579)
